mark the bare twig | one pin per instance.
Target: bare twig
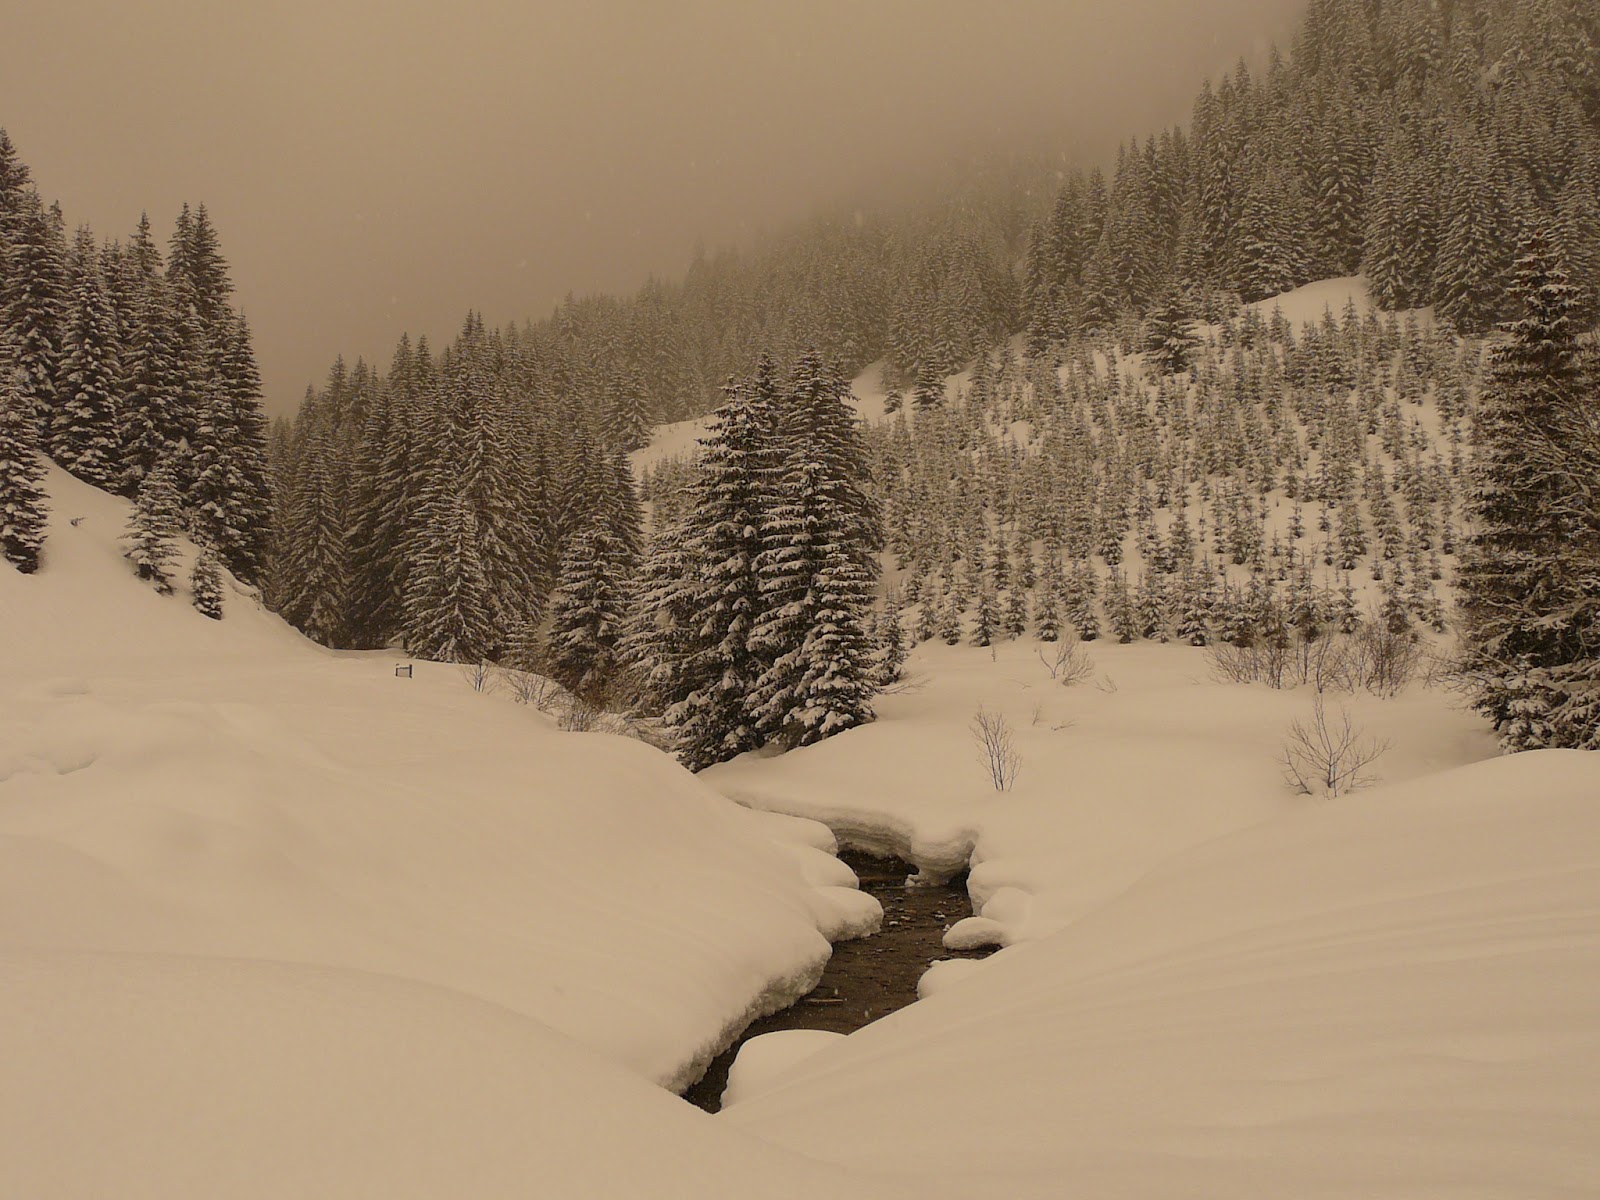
(1328, 758)
(996, 747)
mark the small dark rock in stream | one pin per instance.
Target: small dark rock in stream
(870, 977)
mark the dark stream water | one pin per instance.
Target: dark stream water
(869, 977)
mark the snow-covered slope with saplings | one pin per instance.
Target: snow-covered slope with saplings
(274, 920)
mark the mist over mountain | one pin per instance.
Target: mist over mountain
(375, 168)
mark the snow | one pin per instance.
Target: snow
(274, 919)
(1213, 986)
(764, 1060)
(1397, 993)
(276, 922)
(1306, 305)
(681, 439)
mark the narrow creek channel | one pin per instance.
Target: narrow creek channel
(870, 977)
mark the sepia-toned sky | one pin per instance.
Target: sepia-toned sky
(376, 166)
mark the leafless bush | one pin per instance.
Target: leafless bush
(1384, 660)
(1232, 664)
(1439, 666)
(1263, 661)
(1107, 685)
(580, 716)
(480, 675)
(529, 688)
(1328, 758)
(1070, 665)
(996, 747)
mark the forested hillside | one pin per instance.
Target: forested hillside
(135, 375)
(1414, 140)
(1129, 448)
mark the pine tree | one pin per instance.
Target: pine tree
(318, 603)
(892, 646)
(447, 614)
(206, 583)
(733, 499)
(152, 527)
(23, 508)
(35, 303)
(816, 569)
(1169, 339)
(152, 384)
(83, 426)
(1528, 595)
(587, 614)
(657, 640)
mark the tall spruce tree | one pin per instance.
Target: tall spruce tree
(23, 507)
(1528, 601)
(733, 499)
(587, 613)
(83, 429)
(816, 569)
(35, 302)
(153, 527)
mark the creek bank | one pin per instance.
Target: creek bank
(868, 977)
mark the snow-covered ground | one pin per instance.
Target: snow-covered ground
(274, 921)
(1396, 994)
(1213, 986)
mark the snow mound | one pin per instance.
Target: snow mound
(769, 1057)
(172, 785)
(160, 1077)
(1395, 993)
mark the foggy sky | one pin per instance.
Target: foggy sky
(376, 166)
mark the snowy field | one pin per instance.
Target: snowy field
(276, 922)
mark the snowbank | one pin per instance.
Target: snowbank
(175, 786)
(763, 1060)
(1394, 994)
(170, 1077)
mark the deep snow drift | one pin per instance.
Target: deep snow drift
(274, 921)
(1397, 993)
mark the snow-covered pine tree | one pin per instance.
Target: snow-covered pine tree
(892, 645)
(152, 386)
(153, 525)
(817, 568)
(315, 539)
(1528, 595)
(1169, 340)
(34, 302)
(658, 639)
(732, 499)
(206, 583)
(247, 509)
(447, 615)
(23, 508)
(83, 434)
(587, 613)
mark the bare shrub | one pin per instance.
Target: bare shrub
(1326, 662)
(527, 687)
(480, 675)
(1232, 664)
(1323, 757)
(1070, 665)
(1107, 685)
(996, 747)
(1385, 660)
(580, 716)
(1268, 661)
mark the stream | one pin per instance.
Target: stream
(869, 977)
